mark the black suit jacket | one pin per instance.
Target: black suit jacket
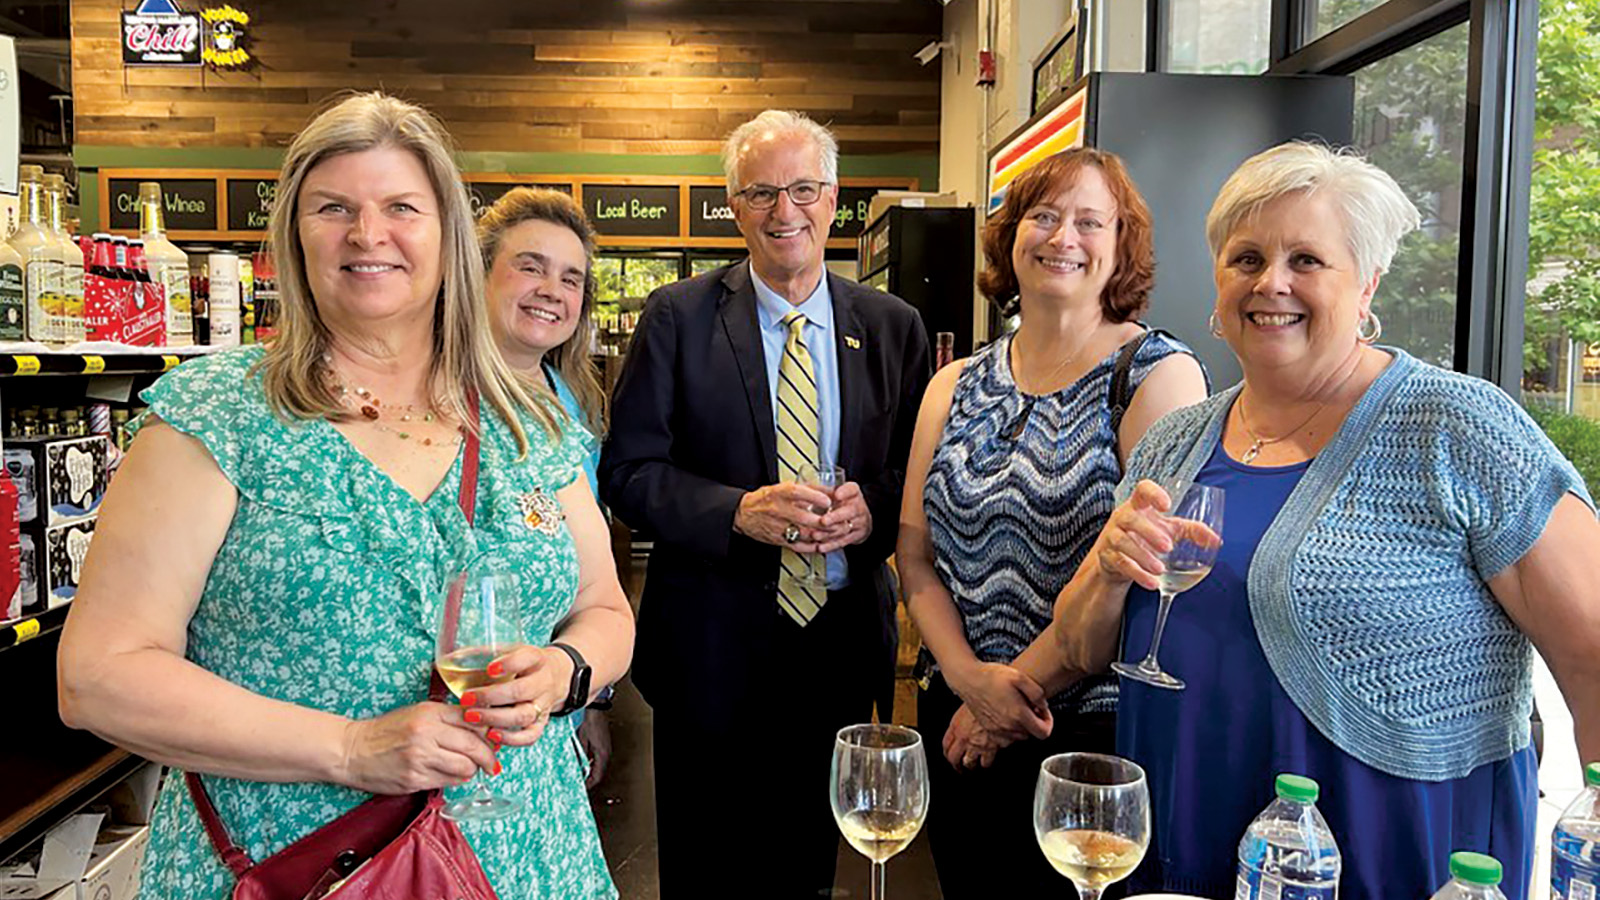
(692, 431)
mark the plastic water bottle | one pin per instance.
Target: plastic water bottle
(1575, 856)
(1288, 853)
(1473, 876)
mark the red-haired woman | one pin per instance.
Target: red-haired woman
(1016, 455)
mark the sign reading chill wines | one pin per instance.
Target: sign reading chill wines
(159, 34)
(188, 204)
(711, 216)
(632, 210)
(483, 194)
(249, 203)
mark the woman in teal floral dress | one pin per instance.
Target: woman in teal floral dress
(262, 598)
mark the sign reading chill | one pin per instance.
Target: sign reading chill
(159, 34)
(632, 210)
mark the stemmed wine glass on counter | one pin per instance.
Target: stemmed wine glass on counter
(480, 621)
(1091, 815)
(879, 782)
(1188, 562)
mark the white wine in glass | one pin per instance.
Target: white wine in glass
(826, 479)
(879, 791)
(480, 622)
(1091, 815)
(1187, 564)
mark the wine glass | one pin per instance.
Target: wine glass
(1091, 814)
(480, 622)
(1190, 560)
(879, 791)
(826, 479)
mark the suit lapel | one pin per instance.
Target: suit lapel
(738, 313)
(850, 345)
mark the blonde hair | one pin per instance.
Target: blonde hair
(779, 121)
(570, 358)
(465, 355)
(1376, 212)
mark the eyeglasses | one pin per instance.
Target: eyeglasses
(765, 196)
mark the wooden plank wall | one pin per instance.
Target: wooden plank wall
(578, 76)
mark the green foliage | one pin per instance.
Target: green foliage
(1576, 437)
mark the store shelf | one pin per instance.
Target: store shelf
(112, 361)
(32, 806)
(32, 627)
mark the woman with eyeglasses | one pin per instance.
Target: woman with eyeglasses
(1016, 454)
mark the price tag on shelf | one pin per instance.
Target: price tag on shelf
(93, 365)
(27, 365)
(27, 630)
(168, 363)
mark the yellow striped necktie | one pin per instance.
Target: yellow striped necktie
(797, 452)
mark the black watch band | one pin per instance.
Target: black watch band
(578, 690)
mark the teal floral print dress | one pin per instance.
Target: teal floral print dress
(326, 593)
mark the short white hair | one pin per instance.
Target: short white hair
(1376, 212)
(775, 122)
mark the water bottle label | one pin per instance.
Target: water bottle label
(1242, 890)
(1570, 881)
(1272, 887)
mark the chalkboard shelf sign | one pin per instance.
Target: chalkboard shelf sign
(632, 210)
(188, 204)
(250, 203)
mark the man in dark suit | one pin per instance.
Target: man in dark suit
(765, 626)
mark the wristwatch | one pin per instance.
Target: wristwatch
(578, 691)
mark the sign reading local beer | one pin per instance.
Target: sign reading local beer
(188, 204)
(160, 34)
(483, 194)
(249, 202)
(632, 210)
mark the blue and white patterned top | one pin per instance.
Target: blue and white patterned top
(1369, 589)
(1012, 517)
(326, 593)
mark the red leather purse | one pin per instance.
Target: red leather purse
(398, 847)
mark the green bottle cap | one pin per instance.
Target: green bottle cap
(1591, 774)
(1298, 788)
(1475, 868)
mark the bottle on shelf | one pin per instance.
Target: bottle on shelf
(223, 266)
(945, 350)
(200, 300)
(1473, 876)
(69, 328)
(1575, 850)
(42, 260)
(1289, 850)
(169, 266)
(247, 300)
(144, 282)
(266, 297)
(13, 300)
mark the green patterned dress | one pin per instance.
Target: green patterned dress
(326, 593)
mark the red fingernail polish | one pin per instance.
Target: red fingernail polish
(474, 717)
(497, 767)
(496, 737)
(495, 669)
(469, 699)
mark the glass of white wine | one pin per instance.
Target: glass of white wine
(879, 791)
(480, 622)
(826, 479)
(1091, 815)
(1189, 561)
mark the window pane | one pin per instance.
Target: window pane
(1411, 122)
(1218, 37)
(1331, 14)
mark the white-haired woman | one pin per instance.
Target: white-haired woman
(1398, 539)
(261, 601)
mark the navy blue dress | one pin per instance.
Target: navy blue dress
(1211, 752)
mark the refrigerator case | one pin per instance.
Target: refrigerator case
(924, 257)
(1181, 136)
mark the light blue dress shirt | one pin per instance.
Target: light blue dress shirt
(823, 344)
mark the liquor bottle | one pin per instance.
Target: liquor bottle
(169, 266)
(945, 350)
(223, 280)
(247, 301)
(103, 313)
(150, 302)
(42, 260)
(13, 301)
(69, 329)
(200, 300)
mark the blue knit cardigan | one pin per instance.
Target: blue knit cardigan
(1368, 589)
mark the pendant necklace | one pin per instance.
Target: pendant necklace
(1259, 442)
(1028, 400)
(371, 409)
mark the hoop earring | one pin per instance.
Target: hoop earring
(1377, 328)
(1216, 330)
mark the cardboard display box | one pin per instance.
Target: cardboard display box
(58, 479)
(51, 560)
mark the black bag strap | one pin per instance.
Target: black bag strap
(1121, 393)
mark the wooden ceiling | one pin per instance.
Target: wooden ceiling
(591, 76)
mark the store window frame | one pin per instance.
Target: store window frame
(1498, 159)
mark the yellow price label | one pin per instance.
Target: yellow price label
(27, 365)
(168, 363)
(27, 630)
(94, 365)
